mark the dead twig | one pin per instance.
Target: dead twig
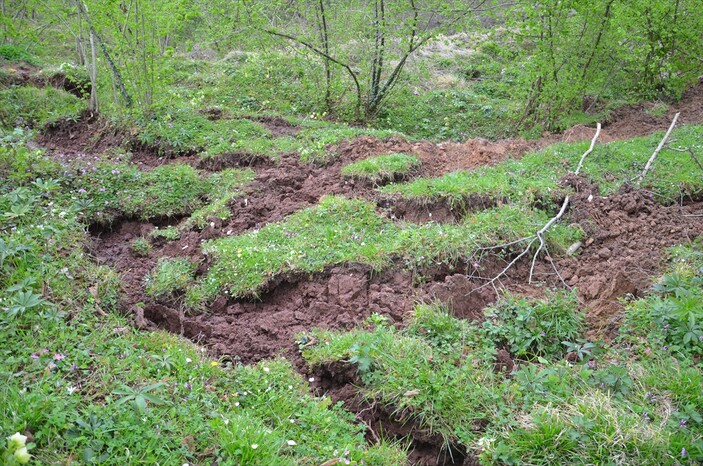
(658, 149)
(539, 236)
(689, 151)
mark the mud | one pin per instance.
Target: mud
(627, 235)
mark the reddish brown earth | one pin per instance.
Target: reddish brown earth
(627, 234)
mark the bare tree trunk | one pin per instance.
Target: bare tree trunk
(115, 71)
(93, 105)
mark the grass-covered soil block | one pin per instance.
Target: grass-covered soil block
(537, 175)
(383, 168)
(36, 108)
(341, 230)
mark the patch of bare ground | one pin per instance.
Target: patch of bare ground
(626, 238)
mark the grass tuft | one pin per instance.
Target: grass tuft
(383, 168)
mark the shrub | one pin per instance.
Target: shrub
(535, 329)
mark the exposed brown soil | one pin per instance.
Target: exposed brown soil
(626, 235)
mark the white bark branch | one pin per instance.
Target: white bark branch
(658, 149)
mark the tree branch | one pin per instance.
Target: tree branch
(658, 149)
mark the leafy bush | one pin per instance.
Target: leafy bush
(12, 53)
(535, 329)
(672, 317)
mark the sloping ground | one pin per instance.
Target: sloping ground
(625, 236)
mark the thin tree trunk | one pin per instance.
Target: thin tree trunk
(115, 71)
(93, 105)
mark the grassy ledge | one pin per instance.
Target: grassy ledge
(536, 175)
(383, 168)
(341, 230)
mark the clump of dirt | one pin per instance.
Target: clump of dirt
(234, 159)
(339, 299)
(627, 235)
(89, 133)
(19, 74)
(341, 382)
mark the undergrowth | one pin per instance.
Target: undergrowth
(636, 401)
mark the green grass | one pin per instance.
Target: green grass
(536, 175)
(14, 54)
(168, 233)
(340, 230)
(90, 388)
(169, 277)
(175, 190)
(36, 108)
(383, 168)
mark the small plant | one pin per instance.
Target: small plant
(612, 379)
(139, 396)
(535, 329)
(364, 352)
(141, 247)
(169, 278)
(168, 233)
(382, 169)
(16, 450)
(581, 348)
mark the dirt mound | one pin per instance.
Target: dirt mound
(437, 159)
(340, 382)
(89, 133)
(278, 126)
(627, 235)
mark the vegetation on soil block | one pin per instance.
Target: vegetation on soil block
(340, 230)
(382, 168)
(536, 176)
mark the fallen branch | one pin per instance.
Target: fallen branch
(539, 235)
(658, 149)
